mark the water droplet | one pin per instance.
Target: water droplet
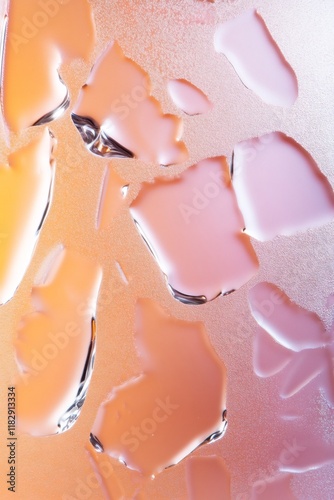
(112, 198)
(25, 194)
(256, 58)
(40, 38)
(292, 326)
(279, 187)
(55, 346)
(200, 246)
(175, 404)
(270, 357)
(188, 97)
(293, 329)
(116, 115)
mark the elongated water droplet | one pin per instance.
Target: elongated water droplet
(188, 97)
(41, 36)
(56, 345)
(25, 197)
(258, 61)
(112, 198)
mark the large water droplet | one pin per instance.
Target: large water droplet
(154, 420)
(258, 61)
(289, 324)
(116, 115)
(193, 227)
(41, 36)
(279, 187)
(25, 196)
(55, 347)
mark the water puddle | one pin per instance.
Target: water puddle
(257, 59)
(117, 116)
(41, 36)
(156, 419)
(55, 346)
(194, 228)
(25, 196)
(279, 187)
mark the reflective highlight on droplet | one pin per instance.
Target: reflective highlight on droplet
(117, 116)
(25, 195)
(157, 418)
(193, 227)
(112, 197)
(41, 36)
(55, 347)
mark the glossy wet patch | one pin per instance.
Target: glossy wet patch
(41, 36)
(55, 346)
(25, 196)
(154, 420)
(188, 97)
(193, 227)
(276, 487)
(258, 61)
(105, 475)
(114, 191)
(117, 116)
(298, 344)
(279, 187)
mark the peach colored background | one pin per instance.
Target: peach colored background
(167, 40)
